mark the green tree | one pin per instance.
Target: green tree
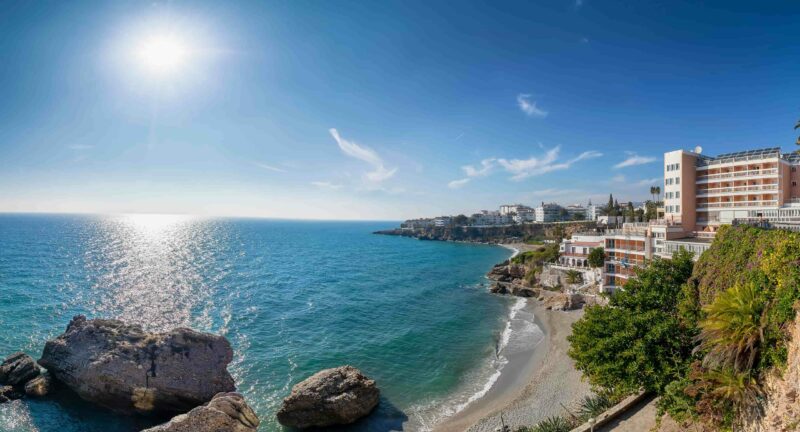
(610, 206)
(597, 257)
(797, 126)
(460, 220)
(638, 341)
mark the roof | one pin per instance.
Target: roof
(740, 156)
(692, 240)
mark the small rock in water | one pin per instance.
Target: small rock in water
(227, 412)
(17, 369)
(39, 386)
(9, 393)
(330, 397)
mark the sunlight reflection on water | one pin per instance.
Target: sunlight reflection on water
(150, 270)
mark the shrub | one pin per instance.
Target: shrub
(597, 257)
(554, 424)
(638, 340)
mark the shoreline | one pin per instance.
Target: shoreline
(536, 382)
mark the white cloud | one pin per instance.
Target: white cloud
(633, 160)
(269, 167)
(457, 184)
(366, 154)
(326, 185)
(524, 168)
(80, 147)
(529, 107)
(486, 167)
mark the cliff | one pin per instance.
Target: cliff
(495, 234)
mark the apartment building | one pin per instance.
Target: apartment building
(703, 192)
(509, 209)
(548, 212)
(574, 252)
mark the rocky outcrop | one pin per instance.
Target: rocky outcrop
(39, 386)
(126, 369)
(9, 393)
(507, 272)
(18, 369)
(564, 302)
(782, 410)
(226, 412)
(514, 289)
(330, 397)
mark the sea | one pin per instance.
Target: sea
(292, 297)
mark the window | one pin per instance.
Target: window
(677, 209)
(677, 194)
(677, 180)
(677, 166)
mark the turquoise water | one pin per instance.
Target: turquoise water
(292, 297)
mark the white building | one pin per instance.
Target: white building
(576, 212)
(525, 216)
(442, 221)
(548, 213)
(488, 218)
(507, 209)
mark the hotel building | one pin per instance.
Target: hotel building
(701, 193)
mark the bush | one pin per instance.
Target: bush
(553, 424)
(594, 405)
(638, 340)
(597, 257)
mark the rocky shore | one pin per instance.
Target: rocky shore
(181, 374)
(494, 234)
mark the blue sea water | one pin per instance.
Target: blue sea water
(292, 297)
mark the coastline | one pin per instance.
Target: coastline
(537, 381)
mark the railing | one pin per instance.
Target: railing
(738, 174)
(708, 191)
(768, 203)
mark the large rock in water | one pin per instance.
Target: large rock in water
(227, 412)
(126, 369)
(330, 397)
(17, 369)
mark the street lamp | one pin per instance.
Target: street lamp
(592, 421)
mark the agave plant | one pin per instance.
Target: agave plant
(733, 329)
(574, 277)
(554, 424)
(594, 405)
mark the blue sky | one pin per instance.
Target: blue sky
(380, 110)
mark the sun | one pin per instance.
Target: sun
(162, 55)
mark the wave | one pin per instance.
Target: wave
(519, 333)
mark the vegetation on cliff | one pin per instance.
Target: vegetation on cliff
(529, 233)
(704, 337)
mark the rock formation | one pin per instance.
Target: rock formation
(227, 412)
(9, 393)
(39, 386)
(333, 396)
(18, 369)
(782, 410)
(514, 289)
(126, 369)
(506, 272)
(564, 302)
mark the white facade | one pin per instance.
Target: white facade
(548, 212)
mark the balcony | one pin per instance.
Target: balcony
(737, 174)
(736, 204)
(735, 189)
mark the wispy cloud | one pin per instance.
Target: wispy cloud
(365, 154)
(269, 167)
(80, 147)
(650, 182)
(529, 106)
(534, 166)
(326, 185)
(457, 184)
(619, 178)
(487, 165)
(633, 160)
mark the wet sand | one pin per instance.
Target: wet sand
(535, 384)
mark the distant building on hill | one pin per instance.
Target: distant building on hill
(548, 213)
(490, 218)
(509, 209)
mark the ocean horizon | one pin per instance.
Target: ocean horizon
(293, 297)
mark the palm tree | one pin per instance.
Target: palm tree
(653, 192)
(733, 329)
(658, 194)
(740, 389)
(574, 277)
(797, 126)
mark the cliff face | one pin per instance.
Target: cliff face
(495, 234)
(782, 411)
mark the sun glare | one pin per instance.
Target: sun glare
(163, 54)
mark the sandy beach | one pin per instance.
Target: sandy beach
(535, 384)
